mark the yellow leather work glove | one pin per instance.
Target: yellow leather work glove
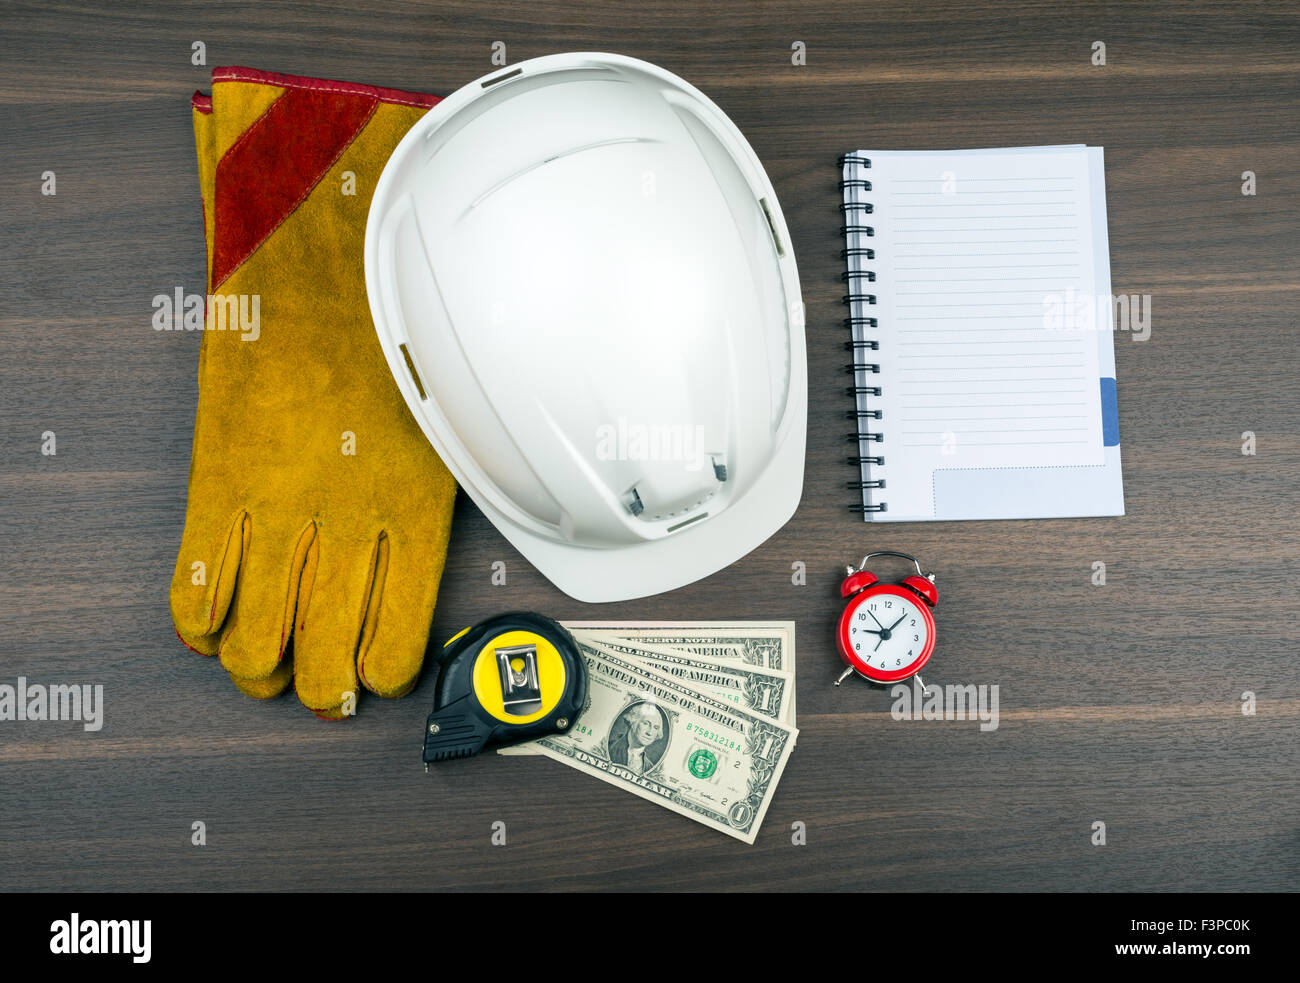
(318, 513)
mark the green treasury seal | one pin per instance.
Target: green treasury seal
(702, 763)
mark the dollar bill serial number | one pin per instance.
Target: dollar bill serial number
(708, 735)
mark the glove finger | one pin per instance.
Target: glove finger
(398, 619)
(261, 617)
(270, 686)
(203, 585)
(330, 625)
(273, 685)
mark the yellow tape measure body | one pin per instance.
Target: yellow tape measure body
(512, 678)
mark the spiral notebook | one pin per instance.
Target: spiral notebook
(981, 321)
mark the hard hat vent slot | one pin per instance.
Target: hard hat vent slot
(694, 518)
(771, 227)
(415, 376)
(633, 502)
(502, 78)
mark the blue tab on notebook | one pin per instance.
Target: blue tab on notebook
(1109, 414)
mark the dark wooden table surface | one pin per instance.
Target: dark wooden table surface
(1119, 703)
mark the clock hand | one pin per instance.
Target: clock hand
(897, 623)
(875, 619)
(881, 639)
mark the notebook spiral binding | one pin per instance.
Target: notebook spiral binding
(851, 182)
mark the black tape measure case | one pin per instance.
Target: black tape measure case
(512, 678)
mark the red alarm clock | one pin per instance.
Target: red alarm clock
(886, 632)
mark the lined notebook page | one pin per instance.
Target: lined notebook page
(976, 251)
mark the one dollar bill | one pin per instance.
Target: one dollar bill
(769, 644)
(764, 691)
(663, 740)
(764, 644)
(747, 662)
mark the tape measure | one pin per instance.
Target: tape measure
(512, 678)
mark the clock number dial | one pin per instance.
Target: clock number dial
(889, 633)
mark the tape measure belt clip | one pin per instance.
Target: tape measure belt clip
(521, 692)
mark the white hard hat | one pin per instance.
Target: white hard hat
(584, 286)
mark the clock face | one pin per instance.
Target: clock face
(888, 632)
